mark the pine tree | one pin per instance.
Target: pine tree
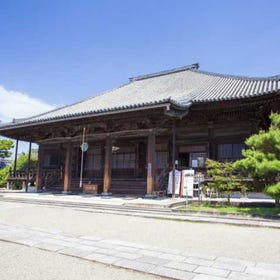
(224, 177)
(262, 158)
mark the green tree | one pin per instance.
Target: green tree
(5, 148)
(4, 174)
(22, 161)
(262, 158)
(5, 152)
(224, 177)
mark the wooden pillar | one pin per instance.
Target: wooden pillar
(107, 165)
(67, 169)
(211, 146)
(151, 162)
(15, 162)
(39, 168)
(28, 166)
(136, 171)
(173, 157)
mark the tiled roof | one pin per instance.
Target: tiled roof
(226, 87)
(179, 86)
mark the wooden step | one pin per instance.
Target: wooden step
(131, 187)
(128, 187)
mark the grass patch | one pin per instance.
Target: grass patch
(230, 209)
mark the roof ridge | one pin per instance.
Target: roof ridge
(240, 77)
(193, 66)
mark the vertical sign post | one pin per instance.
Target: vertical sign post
(188, 183)
(84, 148)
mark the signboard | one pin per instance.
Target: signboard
(84, 147)
(177, 182)
(187, 182)
(194, 163)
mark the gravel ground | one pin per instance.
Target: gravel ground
(21, 262)
(249, 243)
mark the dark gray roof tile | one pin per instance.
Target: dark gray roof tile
(180, 86)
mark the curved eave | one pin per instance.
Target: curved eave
(139, 107)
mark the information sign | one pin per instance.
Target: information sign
(187, 182)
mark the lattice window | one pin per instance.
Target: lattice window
(93, 159)
(161, 159)
(162, 156)
(51, 158)
(124, 158)
(230, 152)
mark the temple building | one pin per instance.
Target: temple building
(137, 131)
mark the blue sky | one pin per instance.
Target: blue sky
(63, 51)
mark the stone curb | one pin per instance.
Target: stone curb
(234, 215)
(145, 258)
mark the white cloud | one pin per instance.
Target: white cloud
(15, 104)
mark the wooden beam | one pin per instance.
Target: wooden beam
(151, 162)
(102, 136)
(107, 165)
(67, 168)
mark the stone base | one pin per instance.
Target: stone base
(149, 196)
(31, 189)
(66, 192)
(106, 194)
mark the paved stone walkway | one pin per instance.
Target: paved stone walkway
(166, 262)
(118, 206)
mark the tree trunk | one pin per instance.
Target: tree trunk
(277, 202)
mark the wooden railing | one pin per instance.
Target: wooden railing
(22, 177)
(51, 177)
